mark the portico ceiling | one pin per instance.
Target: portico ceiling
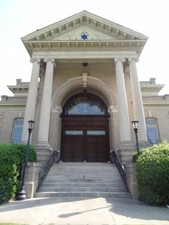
(84, 32)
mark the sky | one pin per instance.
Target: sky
(21, 17)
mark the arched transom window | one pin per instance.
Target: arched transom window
(85, 104)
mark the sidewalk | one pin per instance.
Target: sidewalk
(80, 211)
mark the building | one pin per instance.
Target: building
(84, 92)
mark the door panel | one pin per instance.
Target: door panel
(85, 139)
(73, 148)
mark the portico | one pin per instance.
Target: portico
(84, 53)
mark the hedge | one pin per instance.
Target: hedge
(11, 160)
(153, 174)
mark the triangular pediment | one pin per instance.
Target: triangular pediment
(85, 32)
(83, 26)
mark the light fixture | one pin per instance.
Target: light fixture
(135, 128)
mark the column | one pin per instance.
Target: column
(125, 135)
(137, 100)
(112, 110)
(46, 104)
(31, 99)
(55, 128)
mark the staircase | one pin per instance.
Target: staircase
(83, 180)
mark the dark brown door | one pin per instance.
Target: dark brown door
(85, 139)
(72, 148)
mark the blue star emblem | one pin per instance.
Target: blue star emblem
(84, 36)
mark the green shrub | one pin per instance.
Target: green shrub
(153, 174)
(12, 157)
(135, 156)
(8, 181)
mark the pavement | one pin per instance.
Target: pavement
(83, 211)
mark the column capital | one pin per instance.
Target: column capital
(119, 59)
(52, 60)
(32, 60)
(131, 59)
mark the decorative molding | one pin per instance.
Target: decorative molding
(133, 59)
(52, 60)
(112, 109)
(32, 60)
(84, 78)
(56, 109)
(77, 82)
(122, 60)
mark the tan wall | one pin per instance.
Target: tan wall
(7, 116)
(161, 113)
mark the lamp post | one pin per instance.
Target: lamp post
(135, 128)
(21, 195)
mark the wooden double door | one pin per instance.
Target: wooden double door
(85, 139)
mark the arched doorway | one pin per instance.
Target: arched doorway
(85, 129)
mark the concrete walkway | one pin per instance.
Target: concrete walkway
(79, 211)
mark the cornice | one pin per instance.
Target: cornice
(155, 104)
(2, 104)
(125, 45)
(85, 18)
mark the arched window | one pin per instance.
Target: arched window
(17, 130)
(85, 104)
(152, 130)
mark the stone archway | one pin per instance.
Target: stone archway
(76, 83)
(95, 85)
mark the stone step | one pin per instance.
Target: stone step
(80, 171)
(83, 194)
(81, 189)
(83, 180)
(96, 184)
(84, 177)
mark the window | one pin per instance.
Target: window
(96, 132)
(73, 132)
(17, 130)
(152, 130)
(85, 104)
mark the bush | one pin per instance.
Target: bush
(8, 182)
(135, 156)
(153, 174)
(12, 157)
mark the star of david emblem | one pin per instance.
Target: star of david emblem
(84, 36)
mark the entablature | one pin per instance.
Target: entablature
(90, 55)
(101, 45)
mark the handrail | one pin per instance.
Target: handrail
(54, 157)
(115, 159)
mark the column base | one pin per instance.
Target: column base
(43, 150)
(127, 149)
(132, 180)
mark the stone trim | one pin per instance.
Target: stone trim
(77, 82)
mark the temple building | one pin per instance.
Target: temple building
(84, 92)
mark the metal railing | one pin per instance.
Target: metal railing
(54, 157)
(115, 159)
